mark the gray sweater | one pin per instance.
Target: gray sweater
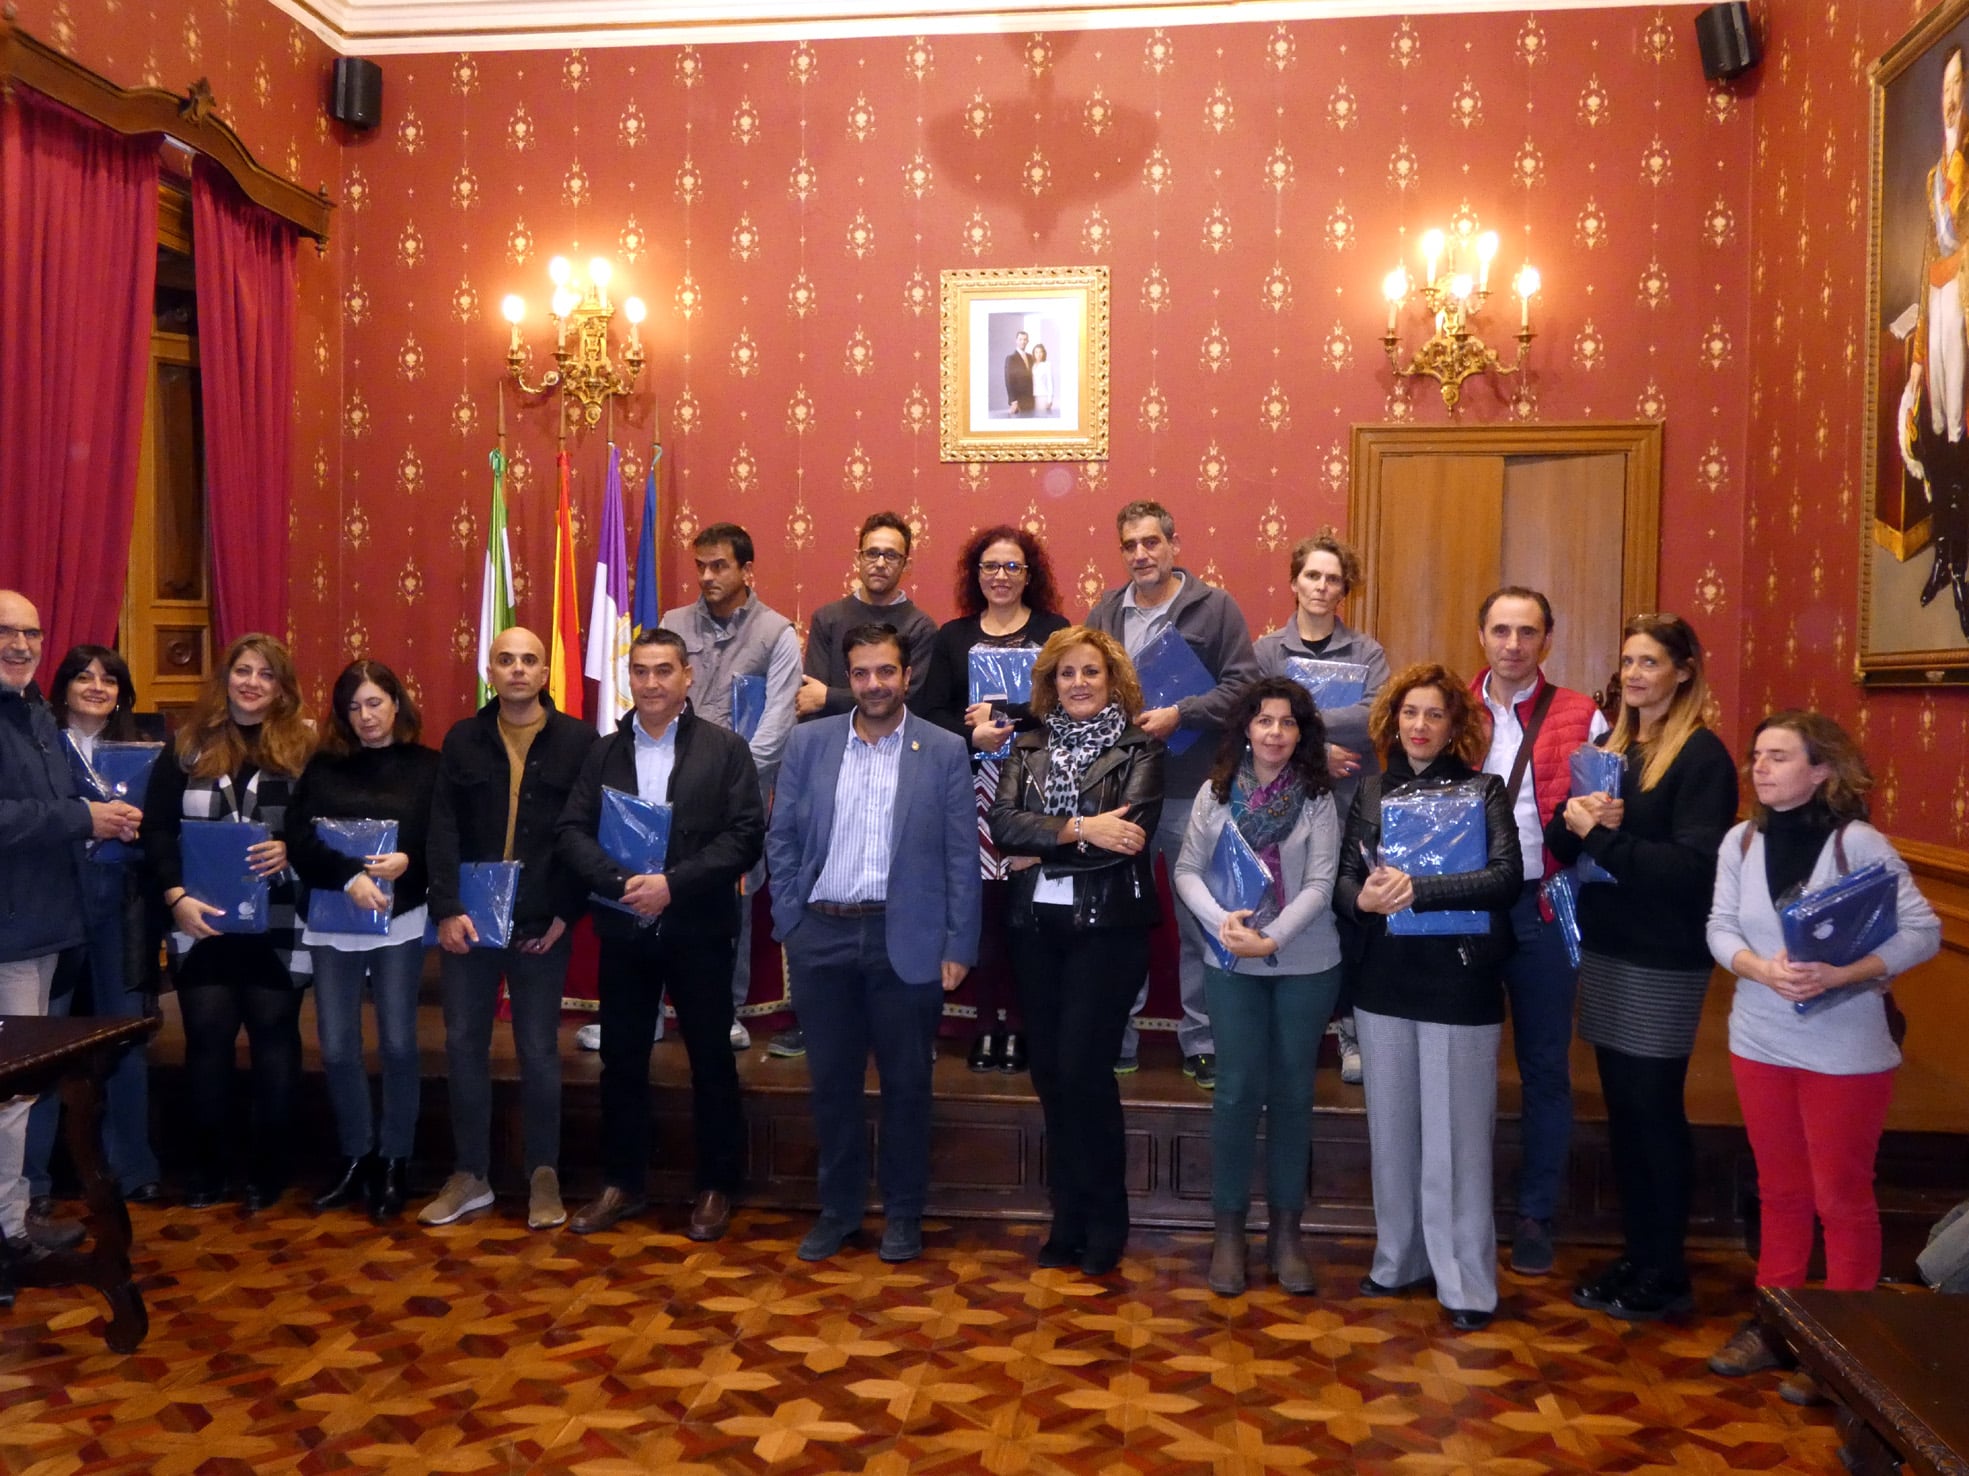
(1845, 1038)
(1308, 942)
(1346, 726)
(829, 665)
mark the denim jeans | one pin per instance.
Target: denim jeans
(1541, 983)
(392, 975)
(1268, 1038)
(471, 999)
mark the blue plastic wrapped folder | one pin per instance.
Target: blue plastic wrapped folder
(748, 705)
(1237, 880)
(1842, 923)
(115, 771)
(1170, 671)
(1562, 891)
(332, 911)
(636, 834)
(1331, 684)
(1595, 771)
(486, 892)
(1436, 832)
(216, 871)
(1002, 674)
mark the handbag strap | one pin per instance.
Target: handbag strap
(1523, 761)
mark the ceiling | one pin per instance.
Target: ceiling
(398, 27)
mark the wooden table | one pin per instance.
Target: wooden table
(1897, 1363)
(40, 1054)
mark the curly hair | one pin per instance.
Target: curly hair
(1327, 540)
(1123, 685)
(340, 737)
(208, 741)
(1468, 737)
(1845, 789)
(122, 724)
(1309, 758)
(1041, 593)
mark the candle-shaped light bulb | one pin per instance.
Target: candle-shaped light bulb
(1395, 287)
(513, 309)
(635, 312)
(1527, 286)
(558, 271)
(1486, 251)
(599, 272)
(565, 302)
(1461, 286)
(1432, 250)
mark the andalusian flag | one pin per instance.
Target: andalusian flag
(563, 681)
(496, 588)
(608, 617)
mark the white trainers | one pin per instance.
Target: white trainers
(741, 1037)
(589, 1037)
(544, 1209)
(461, 1194)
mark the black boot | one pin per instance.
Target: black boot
(350, 1184)
(1939, 572)
(387, 1190)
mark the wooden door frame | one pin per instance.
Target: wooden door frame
(1639, 441)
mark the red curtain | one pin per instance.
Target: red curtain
(78, 263)
(244, 259)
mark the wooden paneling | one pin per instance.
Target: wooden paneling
(1435, 534)
(1562, 520)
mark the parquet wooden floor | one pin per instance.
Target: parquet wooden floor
(287, 1342)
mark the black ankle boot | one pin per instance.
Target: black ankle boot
(350, 1184)
(387, 1190)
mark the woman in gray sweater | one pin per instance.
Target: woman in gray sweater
(1811, 1044)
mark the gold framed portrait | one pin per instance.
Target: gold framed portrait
(1025, 364)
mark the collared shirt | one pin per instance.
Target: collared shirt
(1140, 625)
(857, 868)
(655, 758)
(1507, 736)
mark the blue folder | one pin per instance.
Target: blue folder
(1170, 671)
(636, 834)
(1842, 923)
(1436, 832)
(748, 705)
(216, 871)
(331, 911)
(1331, 684)
(1562, 891)
(1002, 674)
(486, 891)
(118, 771)
(1237, 880)
(1595, 771)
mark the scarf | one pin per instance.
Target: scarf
(1265, 814)
(1075, 743)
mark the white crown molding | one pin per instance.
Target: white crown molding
(410, 27)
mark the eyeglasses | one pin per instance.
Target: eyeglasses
(11, 633)
(1011, 567)
(883, 556)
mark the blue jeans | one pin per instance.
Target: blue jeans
(392, 975)
(850, 1001)
(1268, 1038)
(471, 999)
(1541, 983)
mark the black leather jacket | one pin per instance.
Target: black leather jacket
(1110, 890)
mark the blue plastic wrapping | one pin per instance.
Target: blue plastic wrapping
(1562, 891)
(1595, 771)
(748, 705)
(1170, 671)
(1237, 880)
(636, 834)
(1841, 923)
(334, 911)
(1436, 832)
(216, 872)
(486, 891)
(1002, 674)
(118, 771)
(1331, 684)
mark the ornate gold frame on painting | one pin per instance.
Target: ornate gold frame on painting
(980, 420)
(1902, 643)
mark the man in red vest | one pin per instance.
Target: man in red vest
(1534, 727)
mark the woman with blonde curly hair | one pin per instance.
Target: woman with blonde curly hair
(1429, 1008)
(1077, 801)
(239, 753)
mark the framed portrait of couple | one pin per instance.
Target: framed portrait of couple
(1024, 364)
(1914, 550)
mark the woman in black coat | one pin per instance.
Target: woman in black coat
(1077, 802)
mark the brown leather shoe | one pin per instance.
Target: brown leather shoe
(612, 1205)
(711, 1215)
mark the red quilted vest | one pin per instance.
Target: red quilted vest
(1568, 723)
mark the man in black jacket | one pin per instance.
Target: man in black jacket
(505, 775)
(670, 931)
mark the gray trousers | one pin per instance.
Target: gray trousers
(1431, 1108)
(1193, 1030)
(23, 991)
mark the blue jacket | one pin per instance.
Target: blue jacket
(43, 825)
(934, 892)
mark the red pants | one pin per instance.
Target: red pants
(1815, 1138)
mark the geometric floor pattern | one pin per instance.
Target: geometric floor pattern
(287, 1342)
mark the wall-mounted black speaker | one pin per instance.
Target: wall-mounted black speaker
(1727, 38)
(358, 95)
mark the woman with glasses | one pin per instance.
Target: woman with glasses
(1005, 600)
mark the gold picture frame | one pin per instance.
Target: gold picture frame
(1914, 527)
(1007, 393)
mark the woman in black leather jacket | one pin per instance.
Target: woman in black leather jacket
(1430, 1007)
(1077, 802)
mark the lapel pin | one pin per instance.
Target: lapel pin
(914, 746)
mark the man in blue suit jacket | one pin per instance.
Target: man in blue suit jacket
(873, 850)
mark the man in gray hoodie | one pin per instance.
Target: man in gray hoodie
(1159, 594)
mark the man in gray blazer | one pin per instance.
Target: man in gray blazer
(873, 851)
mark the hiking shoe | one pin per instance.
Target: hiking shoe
(460, 1196)
(1749, 1350)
